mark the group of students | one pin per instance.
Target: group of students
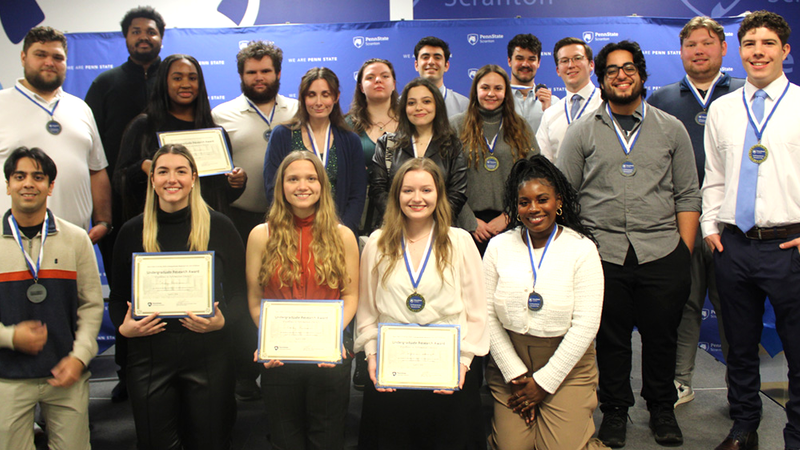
(423, 190)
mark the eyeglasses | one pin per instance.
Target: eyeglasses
(629, 68)
(575, 60)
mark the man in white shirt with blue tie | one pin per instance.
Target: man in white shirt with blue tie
(751, 192)
(574, 65)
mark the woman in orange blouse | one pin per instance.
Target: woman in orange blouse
(304, 252)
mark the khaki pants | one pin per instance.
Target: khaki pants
(66, 411)
(563, 421)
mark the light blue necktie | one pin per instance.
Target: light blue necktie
(576, 104)
(748, 172)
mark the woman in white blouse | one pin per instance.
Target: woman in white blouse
(544, 289)
(416, 228)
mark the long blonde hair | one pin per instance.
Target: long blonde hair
(394, 221)
(515, 133)
(280, 253)
(201, 219)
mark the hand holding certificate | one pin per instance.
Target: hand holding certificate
(207, 146)
(300, 331)
(418, 357)
(173, 284)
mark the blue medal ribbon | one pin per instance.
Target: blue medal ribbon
(324, 157)
(407, 258)
(703, 103)
(760, 131)
(530, 250)
(50, 113)
(627, 147)
(260, 114)
(18, 237)
(494, 140)
(580, 113)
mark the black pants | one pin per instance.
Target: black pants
(649, 296)
(306, 405)
(181, 390)
(748, 271)
(421, 420)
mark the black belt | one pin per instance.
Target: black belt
(763, 234)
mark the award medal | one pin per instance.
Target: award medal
(52, 126)
(535, 300)
(36, 293)
(416, 302)
(580, 113)
(324, 157)
(700, 118)
(627, 168)
(268, 131)
(759, 153)
(491, 163)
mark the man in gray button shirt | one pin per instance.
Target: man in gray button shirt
(634, 169)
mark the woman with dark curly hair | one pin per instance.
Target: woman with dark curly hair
(544, 290)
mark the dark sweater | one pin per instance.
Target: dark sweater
(131, 182)
(173, 234)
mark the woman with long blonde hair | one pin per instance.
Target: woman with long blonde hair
(416, 228)
(493, 136)
(180, 368)
(303, 252)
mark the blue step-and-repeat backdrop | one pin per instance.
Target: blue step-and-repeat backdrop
(473, 43)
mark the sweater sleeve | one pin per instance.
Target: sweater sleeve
(356, 180)
(280, 145)
(476, 340)
(229, 247)
(90, 301)
(367, 312)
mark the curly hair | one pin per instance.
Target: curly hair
(358, 108)
(525, 41)
(602, 57)
(394, 221)
(766, 19)
(327, 246)
(515, 131)
(142, 12)
(258, 50)
(539, 167)
(43, 35)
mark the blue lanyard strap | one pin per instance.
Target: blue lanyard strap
(407, 258)
(760, 131)
(627, 147)
(324, 157)
(703, 103)
(50, 113)
(258, 111)
(530, 250)
(494, 140)
(580, 113)
(18, 236)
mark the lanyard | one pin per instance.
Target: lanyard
(494, 140)
(704, 102)
(530, 250)
(627, 146)
(34, 269)
(580, 113)
(760, 131)
(416, 276)
(312, 139)
(49, 112)
(258, 111)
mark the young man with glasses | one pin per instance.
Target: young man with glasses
(633, 168)
(574, 65)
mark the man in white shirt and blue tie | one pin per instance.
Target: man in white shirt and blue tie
(752, 194)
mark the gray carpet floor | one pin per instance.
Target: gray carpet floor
(704, 421)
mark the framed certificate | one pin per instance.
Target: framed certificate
(412, 356)
(207, 146)
(172, 283)
(301, 331)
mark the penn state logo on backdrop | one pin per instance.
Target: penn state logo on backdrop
(355, 76)
(703, 346)
(358, 41)
(588, 36)
(705, 313)
(471, 73)
(472, 38)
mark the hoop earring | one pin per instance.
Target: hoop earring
(559, 211)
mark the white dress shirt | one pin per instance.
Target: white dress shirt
(554, 124)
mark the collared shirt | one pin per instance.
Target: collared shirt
(246, 130)
(678, 100)
(76, 150)
(639, 209)
(530, 108)
(554, 121)
(453, 101)
(778, 189)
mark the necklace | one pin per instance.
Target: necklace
(412, 241)
(382, 125)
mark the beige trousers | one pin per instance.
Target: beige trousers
(563, 421)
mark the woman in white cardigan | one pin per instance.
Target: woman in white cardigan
(544, 292)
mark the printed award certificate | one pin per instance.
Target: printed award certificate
(301, 331)
(207, 146)
(172, 283)
(412, 356)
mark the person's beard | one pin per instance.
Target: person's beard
(267, 95)
(37, 81)
(144, 57)
(636, 93)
